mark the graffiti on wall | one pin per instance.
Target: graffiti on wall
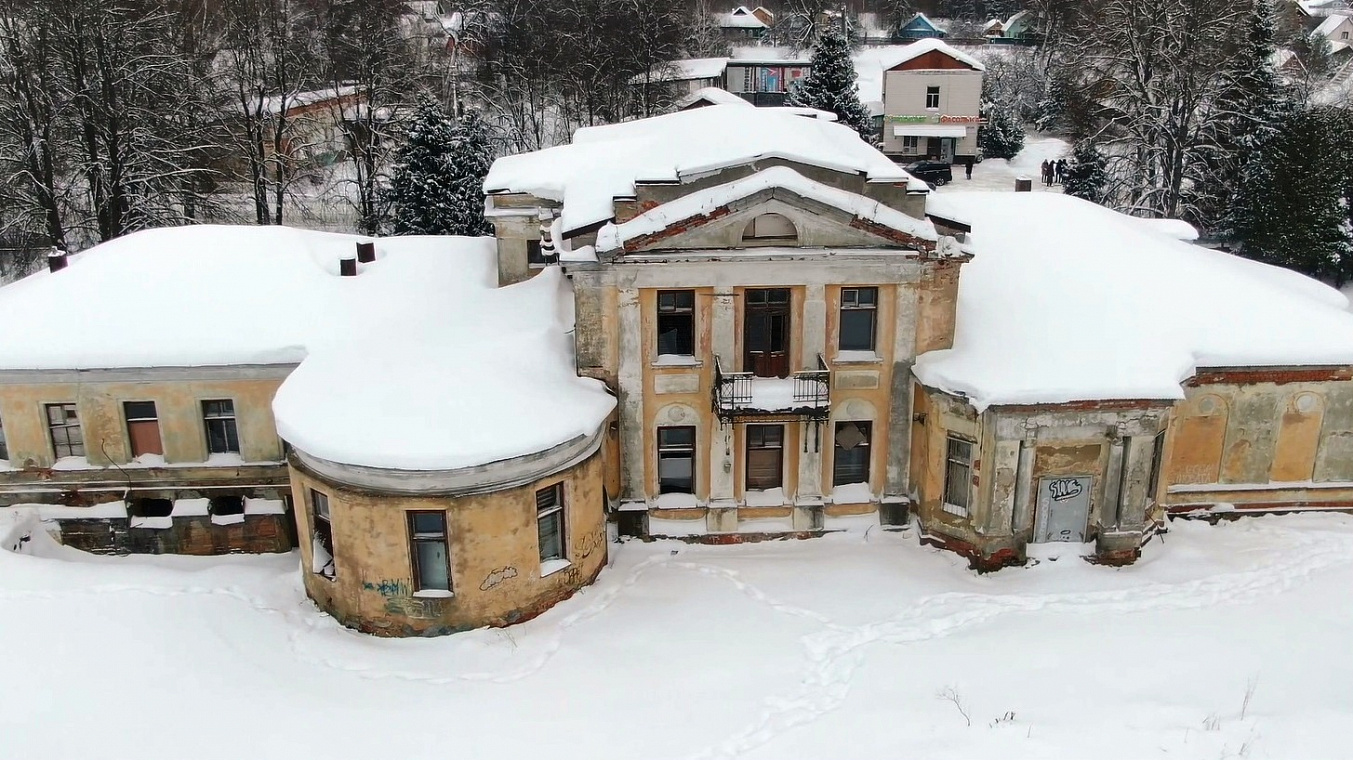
(588, 543)
(493, 579)
(389, 587)
(414, 607)
(1063, 489)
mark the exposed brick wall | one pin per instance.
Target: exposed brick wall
(258, 534)
(1278, 375)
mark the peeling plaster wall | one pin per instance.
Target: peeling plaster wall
(1239, 441)
(492, 545)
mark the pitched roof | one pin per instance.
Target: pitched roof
(603, 163)
(921, 47)
(1331, 23)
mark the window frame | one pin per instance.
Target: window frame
(128, 421)
(932, 91)
(233, 428)
(65, 425)
(677, 309)
(751, 235)
(318, 515)
(416, 537)
(911, 144)
(867, 427)
(534, 258)
(850, 303)
(674, 451)
(764, 444)
(557, 508)
(950, 462)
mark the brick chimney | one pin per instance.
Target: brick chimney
(347, 267)
(366, 252)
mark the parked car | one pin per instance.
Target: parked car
(933, 173)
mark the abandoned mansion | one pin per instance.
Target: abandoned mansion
(721, 324)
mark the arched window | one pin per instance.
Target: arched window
(769, 227)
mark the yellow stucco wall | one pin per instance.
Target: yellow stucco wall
(492, 546)
(178, 403)
(1261, 435)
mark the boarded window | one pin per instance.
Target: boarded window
(765, 457)
(850, 456)
(932, 97)
(770, 227)
(428, 547)
(143, 428)
(676, 323)
(219, 419)
(859, 309)
(676, 459)
(322, 535)
(958, 476)
(64, 424)
(550, 522)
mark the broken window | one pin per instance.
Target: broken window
(322, 535)
(64, 423)
(143, 428)
(859, 316)
(958, 476)
(151, 508)
(550, 522)
(427, 546)
(219, 417)
(850, 458)
(765, 457)
(932, 97)
(770, 227)
(1157, 454)
(676, 323)
(227, 505)
(676, 459)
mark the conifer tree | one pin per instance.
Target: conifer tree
(1087, 174)
(436, 187)
(1002, 136)
(831, 85)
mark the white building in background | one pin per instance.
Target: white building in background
(932, 96)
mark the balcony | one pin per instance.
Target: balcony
(743, 395)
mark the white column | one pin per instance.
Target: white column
(815, 439)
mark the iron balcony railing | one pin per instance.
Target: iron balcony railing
(806, 393)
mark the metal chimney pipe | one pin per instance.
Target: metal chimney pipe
(56, 260)
(347, 267)
(366, 252)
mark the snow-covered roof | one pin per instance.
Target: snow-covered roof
(687, 68)
(1066, 301)
(928, 45)
(272, 104)
(924, 19)
(714, 96)
(606, 162)
(418, 362)
(702, 202)
(1332, 22)
(1322, 8)
(741, 17)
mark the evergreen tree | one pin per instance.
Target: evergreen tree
(1252, 106)
(1087, 174)
(831, 86)
(1293, 209)
(1002, 136)
(437, 184)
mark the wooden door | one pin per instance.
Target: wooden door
(765, 332)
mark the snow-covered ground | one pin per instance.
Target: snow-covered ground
(1225, 641)
(1000, 173)
(1348, 293)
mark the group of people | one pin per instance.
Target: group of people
(1054, 172)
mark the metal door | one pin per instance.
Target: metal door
(1063, 509)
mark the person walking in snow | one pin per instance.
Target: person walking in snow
(1061, 170)
(1047, 173)
(967, 166)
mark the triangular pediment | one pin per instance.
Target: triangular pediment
(799, 213)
